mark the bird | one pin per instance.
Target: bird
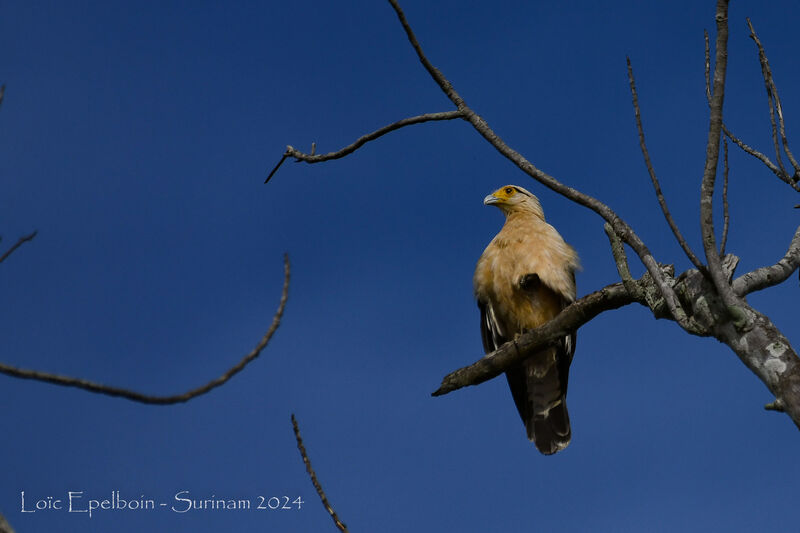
(523, 279)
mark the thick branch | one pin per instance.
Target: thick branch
(312, 158)
(712, 159)
(20, 242)
(656, 185)
(571, 318)
(770, 356)
(313, 476)
(161, 400)
(768, 276)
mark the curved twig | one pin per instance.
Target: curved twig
(781, 174)
(161, 400)
(768, 276)
(653, 178)
(22, 240)
(313, 476)
(772, 94)
(319, 158)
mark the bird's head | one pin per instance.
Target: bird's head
(514, 199)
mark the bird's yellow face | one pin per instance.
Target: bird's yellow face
(503, 195)
(513, 198)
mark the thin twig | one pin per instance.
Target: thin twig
(772, 94)
(2, 93)
(726, 219)
(435, 73)
(654, 179)
(161, 400)
(313, 476)
(275, 169)
(763, 158)
(747, 149)
(318, 158)
(621, 260)
(712, 158)
(20, 242)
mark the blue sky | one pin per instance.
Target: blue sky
(136, 137)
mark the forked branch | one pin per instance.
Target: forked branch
(781, 173)
(570, 319)
(314, 158)
(161, 400)
(772, 96)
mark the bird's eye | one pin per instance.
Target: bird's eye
(509, 191)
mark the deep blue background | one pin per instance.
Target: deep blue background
(136, 137)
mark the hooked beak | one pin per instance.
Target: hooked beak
(491, 199)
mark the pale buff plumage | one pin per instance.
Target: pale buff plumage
(523, 279)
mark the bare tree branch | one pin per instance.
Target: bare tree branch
(312, 158)
(770, 275)
(656, 185)
(435, 73)
(621, 260)
(339, 524)
(571, 318)
(712, 158)
(761, 157)
(747, 149)
(726, 216)
(20, 242)
(770, 356)
(772, 95)
(161, 400)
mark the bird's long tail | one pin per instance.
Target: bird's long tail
(540, 393)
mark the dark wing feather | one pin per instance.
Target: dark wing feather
(540, 397)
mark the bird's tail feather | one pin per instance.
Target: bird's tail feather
(540, 394)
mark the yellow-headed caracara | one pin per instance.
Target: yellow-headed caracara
(524, 278)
